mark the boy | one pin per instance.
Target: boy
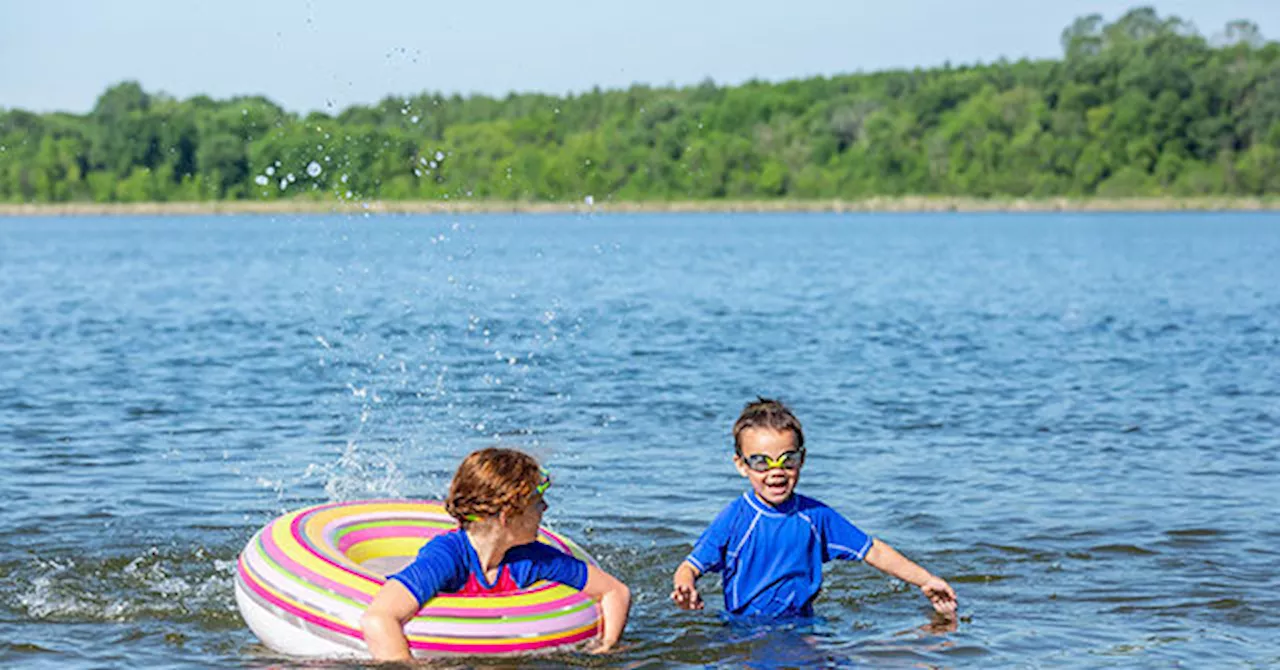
(771, 543)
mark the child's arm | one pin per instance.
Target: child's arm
(615, 605)
(685, 591)
(383, 623)
(886, 559)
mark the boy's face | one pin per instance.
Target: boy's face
(776, 484)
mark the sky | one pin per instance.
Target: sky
(59, 55)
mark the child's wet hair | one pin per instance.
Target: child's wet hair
(766, 413)
(492, 481)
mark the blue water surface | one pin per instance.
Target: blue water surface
(1075, 419)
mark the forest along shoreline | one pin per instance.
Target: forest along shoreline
(880, 204)
(1142, 113)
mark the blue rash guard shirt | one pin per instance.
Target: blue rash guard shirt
(449, 564)
(772, 557)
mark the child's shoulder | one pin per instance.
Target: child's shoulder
(738, 505)
(534, 551)
(453, 542)
(812, 505)
(735, 509)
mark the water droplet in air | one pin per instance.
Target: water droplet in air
(344, 178)
(291, 178)
(270, 171)
(314, 169)
(261, 180)
(439, 155)
(413, 119)
(590, 200)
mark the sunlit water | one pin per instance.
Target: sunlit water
(1074, 419)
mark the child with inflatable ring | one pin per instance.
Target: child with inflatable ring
(497, 498)
(770, 544)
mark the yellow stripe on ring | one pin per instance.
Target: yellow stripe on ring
(479, 641)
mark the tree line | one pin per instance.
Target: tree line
(1142, 106)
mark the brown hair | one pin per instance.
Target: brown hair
(766, 413)
(492, 481)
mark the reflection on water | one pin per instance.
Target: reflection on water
(1071, 418)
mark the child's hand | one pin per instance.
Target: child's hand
(686, 597)
(940, 595)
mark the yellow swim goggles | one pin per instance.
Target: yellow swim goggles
(789, 460)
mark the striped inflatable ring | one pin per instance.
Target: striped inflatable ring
(304, 580)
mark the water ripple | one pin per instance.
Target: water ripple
(1072, 418)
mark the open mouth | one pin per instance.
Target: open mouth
(776, 486)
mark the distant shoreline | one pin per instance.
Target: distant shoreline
(904, 204)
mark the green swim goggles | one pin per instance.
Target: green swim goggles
(789, 460)
(544, 483)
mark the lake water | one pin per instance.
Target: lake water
(1075, 419)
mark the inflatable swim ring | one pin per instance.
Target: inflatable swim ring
(304, 580)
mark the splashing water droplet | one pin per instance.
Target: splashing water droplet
(270, 170)
(439, 155)
(344, 178)
(314, 169)
(414, 119)
(261, 180)
(291, 178)
(590, 200)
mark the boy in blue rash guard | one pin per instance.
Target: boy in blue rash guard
(496, 496)
(770, 543)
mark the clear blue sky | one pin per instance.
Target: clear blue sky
(329, 54)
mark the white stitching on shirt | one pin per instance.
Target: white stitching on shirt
(812, 527)
(760, 509)
(734, 557)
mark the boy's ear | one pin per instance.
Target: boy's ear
(741, 465)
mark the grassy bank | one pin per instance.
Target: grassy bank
(888, 204)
